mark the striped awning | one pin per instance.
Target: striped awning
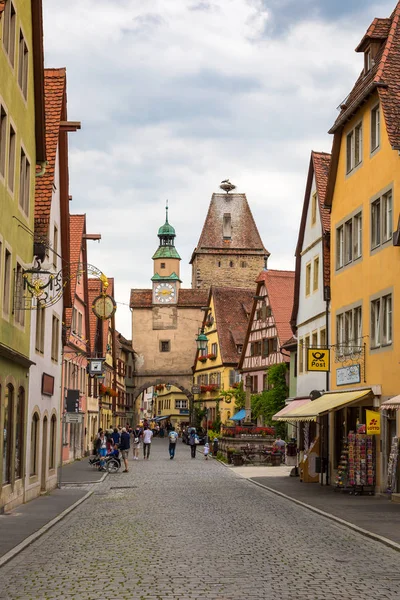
(326, 403)
(391, 404)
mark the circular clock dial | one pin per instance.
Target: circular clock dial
(104, 307)
(164, 292)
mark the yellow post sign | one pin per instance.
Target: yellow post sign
(373, 422)
(318, 359)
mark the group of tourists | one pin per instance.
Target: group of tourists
(120, 439)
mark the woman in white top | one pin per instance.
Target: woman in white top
(136, 442)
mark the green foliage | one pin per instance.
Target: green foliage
(237, 394)
(271, 401)
(212, 435)
(198, 416)
(221, 457)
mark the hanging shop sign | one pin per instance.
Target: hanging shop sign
(347, 375)
(373, 422)
(318, 359)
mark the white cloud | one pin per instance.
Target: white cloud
(175, 96)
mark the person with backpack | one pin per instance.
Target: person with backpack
(172, 437)
(193, 441)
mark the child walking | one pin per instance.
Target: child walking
(206, 451)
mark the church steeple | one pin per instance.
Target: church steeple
(166, 265)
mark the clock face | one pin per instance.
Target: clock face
(104, 307)
(164, 293)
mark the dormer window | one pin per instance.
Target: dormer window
(227, 227)
(368, 61)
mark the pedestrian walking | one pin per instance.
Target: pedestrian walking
(136, 442)
(206, 451)
(147, 435)
(193, 441)
(116, 436)
(173, 437)
(102, 449)
(124, 446)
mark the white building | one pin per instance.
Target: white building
(310, 316)
(51, 237)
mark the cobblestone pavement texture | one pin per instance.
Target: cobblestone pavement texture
(192, 529)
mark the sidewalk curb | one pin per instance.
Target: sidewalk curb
(32, 538)
(66, 483)
(322, 513)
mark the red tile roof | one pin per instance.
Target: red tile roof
(245, 235)
(383, 77)
(232, 309)
(186, 297)
(280, 290)
(77, 227)
(54, 90)
(319, 168)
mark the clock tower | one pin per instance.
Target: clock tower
(166, 259)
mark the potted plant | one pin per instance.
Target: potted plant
(203, 358)
(212, 356)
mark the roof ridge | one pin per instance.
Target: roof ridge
(388, 44)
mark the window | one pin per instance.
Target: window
(19, 434)
(308, 279)
(349, 330)
(231, 263)
(7, 432)
(34, 444)
(376, 323)
(357, 236)
(307, 345)
(55, 333)
(3, 137)
(79, 324)
(214, 349)
(381, 220)
(243, 264)
(348, 242)
(53, 442)
(339, 247)
(55, 246)
(314, 209)
(19, 314)
(218, 263)
(23, 65)
(11, 158)
(387, 319)
(322, 338)
(375, 125)
(180, 403)
(314, 340)
(354, 148)
(239, 348)
(367, 60)
(234, 377)
(162, 265)
(316, 273)
(9, 30)
(40, 327)
(74, 320)
(227, 226)
(165, 346)
(301, 356)
(7, 282)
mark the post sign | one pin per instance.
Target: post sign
(195, 389)
(318, 359)
(373, 422)
(348, 375)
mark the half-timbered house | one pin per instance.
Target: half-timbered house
(269, 327)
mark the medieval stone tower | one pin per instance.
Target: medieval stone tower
(230, 251)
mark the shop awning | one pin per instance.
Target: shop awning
(290, 407)
(327, 402)
(239, 415)
(161, 418)
(391, 404)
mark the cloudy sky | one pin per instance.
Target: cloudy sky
(176, 95)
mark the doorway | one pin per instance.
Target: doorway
(44, 455)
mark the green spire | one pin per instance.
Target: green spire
(166, 229)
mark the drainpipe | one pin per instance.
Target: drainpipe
(42, 171)
(327, 298)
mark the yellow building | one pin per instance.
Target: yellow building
(225, 325)
(363, 194)
(171, 406)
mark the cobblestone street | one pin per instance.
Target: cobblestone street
(193, 529)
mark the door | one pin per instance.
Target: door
(44, 455)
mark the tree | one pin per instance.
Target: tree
(237, 394)
(271, 401)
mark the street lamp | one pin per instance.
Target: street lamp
(201, 340)
(168, 386)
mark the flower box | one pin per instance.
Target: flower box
(212, 356)
(203, 359)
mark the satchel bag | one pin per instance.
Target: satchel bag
(196, 440)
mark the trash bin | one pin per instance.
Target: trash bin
(215, 447)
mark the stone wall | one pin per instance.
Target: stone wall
(215, 269)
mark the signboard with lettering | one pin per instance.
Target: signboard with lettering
(195, 389)
(73, 418)
(318, 359)
(348, 375)
(373, 422)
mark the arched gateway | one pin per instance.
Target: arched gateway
(165, 322)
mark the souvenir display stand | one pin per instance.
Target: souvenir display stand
(393, 466)
(356, 471)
